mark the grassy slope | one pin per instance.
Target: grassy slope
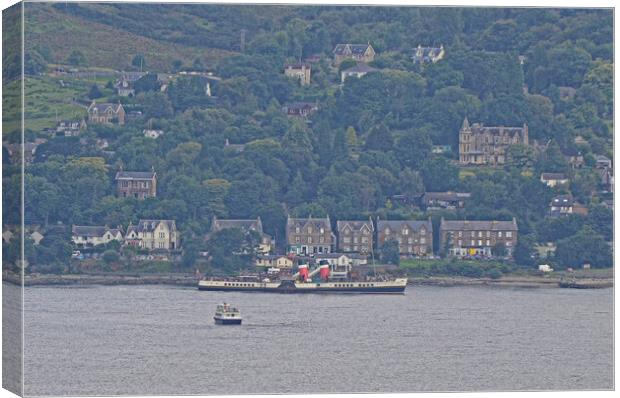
(103, 45)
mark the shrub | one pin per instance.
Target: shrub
(110, 256)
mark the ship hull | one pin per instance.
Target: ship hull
(391, 287)
(221, 321)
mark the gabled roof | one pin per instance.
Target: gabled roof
(303, 222)
(357, 49)
(396, 225)
(103, 107)
(135, 175)
(355, 225)
(245, 225)
(562, 201)
(466, 225)
(92, 231)
(150, 225)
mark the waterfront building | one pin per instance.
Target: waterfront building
(415, 238)
(463, 238)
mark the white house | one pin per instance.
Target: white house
(83, 235)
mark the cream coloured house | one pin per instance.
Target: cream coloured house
(153, 235)
(275, 261)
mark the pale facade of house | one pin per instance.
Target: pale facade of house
(153, 235)
(83, 235)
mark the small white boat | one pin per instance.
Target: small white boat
(227, 315)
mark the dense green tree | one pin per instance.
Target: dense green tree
(390, 253)
(585, 246)
(76, 58)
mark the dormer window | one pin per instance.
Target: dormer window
(387, 231)
(405, 231)
(297, 230)
(322, 230)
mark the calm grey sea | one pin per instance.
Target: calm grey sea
(162, 340)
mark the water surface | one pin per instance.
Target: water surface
(162, 340)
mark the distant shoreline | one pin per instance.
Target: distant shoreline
(190, 280)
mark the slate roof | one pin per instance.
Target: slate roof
(553, 176)
(562, 201)
(397, 225)
(357, 49)
(465, 225)
(318, 223)
(150, 225)
(92, 231)
(428, 196)
(298, 66)
(135, 175)
(354, 225)
(254, 225)
(103, 107)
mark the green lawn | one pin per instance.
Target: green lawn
(47, 100)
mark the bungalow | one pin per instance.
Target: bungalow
(300, 109)
(274, 261)
(152, 133)
(70, 128)
(445, 200)
(356, 71)
(337, 260)
(83, 235)
(554, 179)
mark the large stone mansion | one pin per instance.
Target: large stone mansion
(482, 145)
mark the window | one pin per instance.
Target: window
(423, 231)
(405, 231)
(387, 231)
(509, 243)
(321, 239)
(473, 243)
(479, 242)
(480, 234)
(309, 230)
(297, 230)
(460, 234)
(488, 234)
(322, 230)
(509, 234)
(309, 239)
(364, 240)
(346, 239)
(499, 234)
(423, 240)
(297, 239)
(355, 239)
(488, 242)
